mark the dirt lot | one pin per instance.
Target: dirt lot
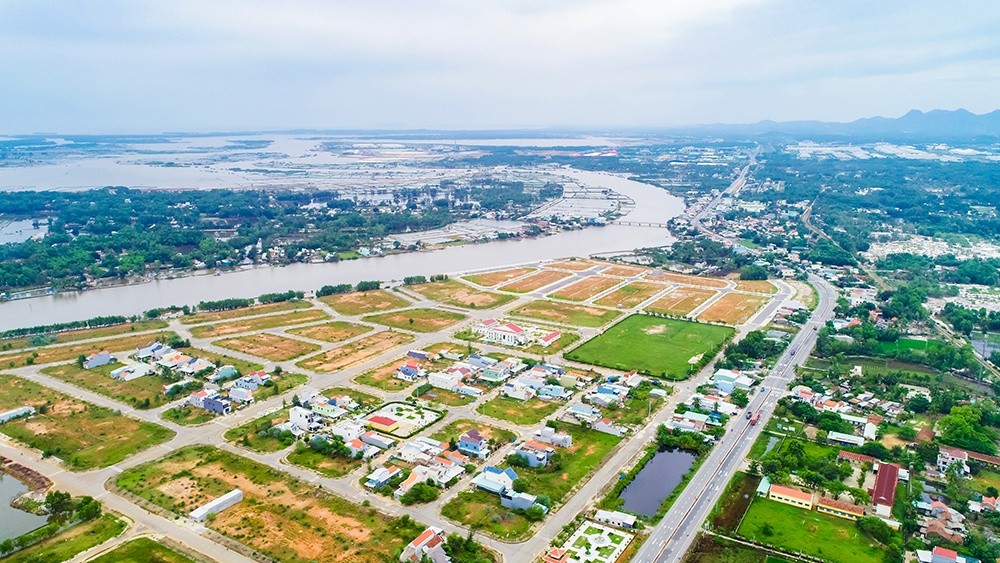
(361, 302)
(571, 265)
(586, 288)
(269, 346)
(384, 377)
(659, 275)
(681, 301)
(624, 271)
(631, 295)
(212, 316)
(331, 332)
(460, 295)
(258, 323)
(535, 281)
(490, 279)
(62, 353)
(567, 313)
(756, 286)
(418, 320)
(355, 352)
(733, 308)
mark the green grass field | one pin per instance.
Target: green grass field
(651, 345)
(481, 511)
(142, 550)
(188, 415)
(456, 428)
(67, 544)
(330, 466)
(911, 344)
(524, 413)
(807, 531)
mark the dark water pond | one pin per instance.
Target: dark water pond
(14, 522)
(656, 481)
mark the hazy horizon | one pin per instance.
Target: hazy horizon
(146, 68)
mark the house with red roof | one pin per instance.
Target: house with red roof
(427, 546)
(884, 492)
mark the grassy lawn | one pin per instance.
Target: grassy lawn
(652, 345)
(258, 323)
(984, 479)
(330, 466)
(362, 302)
(680, 301)
(523, 413)
(49, 355)
(142, 550)
(384, 377)
(807, 531)
(85, 334)
(910, 344)
(66, 545)
(213, 316)
(143, 393)
(451, 292)
(268, 346)
(482, 511)
(355, 352)
(418, 320)
(585, 455)
(83, 435)
(567, 313)
(248, 435)
(282, 517)
(223, 360)
(364, 399)
(187, 415)
(446, 397)
(336, 331)
(282, 383)
(456, 428)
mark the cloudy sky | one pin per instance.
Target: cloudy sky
(197, 65)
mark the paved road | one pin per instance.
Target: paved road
(672, 537)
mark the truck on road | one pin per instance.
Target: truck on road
(755, 418)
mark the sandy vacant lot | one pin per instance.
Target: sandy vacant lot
(624, 271)
(659, 275)
(331, 332)
(489, 279)
(269, 346)
(586, 288)
(631, 295)
(355, 352)
(535, 281)
(733, 308)
(258, 323)
(681, 301)
(460, 295)
(361, 302)
(571, 265)
(756, 286)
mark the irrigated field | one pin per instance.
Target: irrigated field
(652, 345)
(659, 275)
(733, 308)
(417, 320)
(451, 292)
(361, 302)
(258, 323)
(50, 355)
(631, 295)
(535, 281)
(355, 352)
(567, 313)
(336, 331)
(83, 435)
(269, 346)
(585, 288)
(282, 517)
(681, 301)
(490, 279)
(213, 316)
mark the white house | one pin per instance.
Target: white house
(444, 380)
(615, 518)
(605, 425)
(97, 359)
(348, 429)
(549, 435)
(241, 395)
(510, 334)
(516, 390)
(305, 419)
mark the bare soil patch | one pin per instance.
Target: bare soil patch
(733, 308)
(681, 301)
(269, 346)
(355, 352)
(631, 295)
(660, 275)
(586, 288)
(535, 281)
(490, 279)
(336, 331)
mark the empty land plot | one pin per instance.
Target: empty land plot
(384, 377)
(456, 428)
(535, 281)
(631, 295)
(81, 334)
(571, 265)
(142, 393)
(258, 323)
(243, 366)
(214, 316)
(451, 292)
(269, 346)
(652, 345)
(69, 543)
(258, 435)
(733, 308)
(446, 397)
(585, 288)
(523, 413)
(83, 435)
(681, 301)
(64, 353)
(364, 399)
(337, 331)
(143, 550)
(355, 352)
(418, 320)
(281, 517)
(490, 279)
(659, 275)
(361, 302)
(624, 271)
(567, 313)
(756, 286)
(333, 465)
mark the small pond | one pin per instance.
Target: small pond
(656, 481)
(14, 522)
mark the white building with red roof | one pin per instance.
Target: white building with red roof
(507, 333)
(429, 545)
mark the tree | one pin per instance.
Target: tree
(535, 512)
(753, 272)
(519, 485)
(739, 398)
(964, 428)
(80, 360)
(88, 508)
(908, 433)
(58, 503)
(875, 528)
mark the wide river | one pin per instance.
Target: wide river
(652, 204)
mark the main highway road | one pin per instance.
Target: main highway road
(672, 537)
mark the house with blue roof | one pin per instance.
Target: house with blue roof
(495, 480)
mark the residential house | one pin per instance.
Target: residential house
(241, 395)
(516, 390)
(419, 355)
(345, 402)
(98, 359)
(473, 443)
(356, 446)
(442, 380)
(132, 371)
(428, 546)
(468, 390)
(605, 425)
(495, 480)
(479, 363)
(615, 518)
(791, 496)
(154, 351)
(549, 338)
(381, 476)
(727, 381)
(197, 399)
(377, 440)
(535, 453)
(252, 381)
(348, 429)
(583, 412)
(518, 501)
(953, 456)
(497, 373)
(550, 435)
(194, 365)
(218, 405)
(328, 409)
(419, 451)
(409, 371)
(553, 392)
(305, 419)
(224, 373)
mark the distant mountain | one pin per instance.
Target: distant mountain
(915, 124)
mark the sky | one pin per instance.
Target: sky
(192, 65)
